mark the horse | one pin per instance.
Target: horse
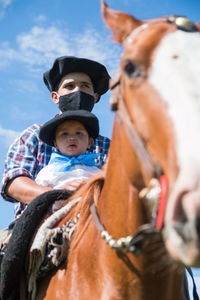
(139, 221)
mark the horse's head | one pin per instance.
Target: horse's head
(159, 81)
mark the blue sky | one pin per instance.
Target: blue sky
(34, 32)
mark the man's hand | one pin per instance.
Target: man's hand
(70, 186)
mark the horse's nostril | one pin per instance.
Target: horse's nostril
(132, 70)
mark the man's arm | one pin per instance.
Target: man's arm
(25, 157)
(24, 189)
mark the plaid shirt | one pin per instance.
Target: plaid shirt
(28, 155)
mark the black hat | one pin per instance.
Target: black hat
(68, 64)
(89, 120)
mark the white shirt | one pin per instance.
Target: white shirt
(49, 177)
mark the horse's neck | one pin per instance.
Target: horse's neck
(122, 212)
(122, 183)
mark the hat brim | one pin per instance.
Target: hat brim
(69, 64)
(89, 120)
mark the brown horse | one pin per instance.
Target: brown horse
(113, 255)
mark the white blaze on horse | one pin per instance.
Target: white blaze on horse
(175, 75)
(177, 78)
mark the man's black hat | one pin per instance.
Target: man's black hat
(89, 120)
(68, 64)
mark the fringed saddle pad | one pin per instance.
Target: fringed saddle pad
(50, 246)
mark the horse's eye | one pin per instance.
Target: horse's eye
(132, 70)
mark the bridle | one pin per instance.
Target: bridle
(156, 192)
(133, 243)
(151, 167)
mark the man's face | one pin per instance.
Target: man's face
(74, 82)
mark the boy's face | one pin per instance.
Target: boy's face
(72, 139)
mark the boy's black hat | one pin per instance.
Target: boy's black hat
(89, 120)
(68, 64)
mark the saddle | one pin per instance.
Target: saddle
(13, 262)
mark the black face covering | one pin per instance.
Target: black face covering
(75, 101)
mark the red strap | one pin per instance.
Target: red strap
(162, 201)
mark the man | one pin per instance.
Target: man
(74, 83)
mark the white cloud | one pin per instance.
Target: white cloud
(92, 45)
(5, 3)
(7, 55)
(40, 46)
(7, 136)
(40, 19)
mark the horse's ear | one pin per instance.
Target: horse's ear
(120, 23)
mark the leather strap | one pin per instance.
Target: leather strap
(118, 104)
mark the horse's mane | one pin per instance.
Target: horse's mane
(90, 190)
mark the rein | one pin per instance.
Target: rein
(132, 243)
(152, 169)
(156, 196)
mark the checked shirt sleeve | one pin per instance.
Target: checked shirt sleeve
(22, 158)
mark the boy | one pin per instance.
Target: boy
(72, 133)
